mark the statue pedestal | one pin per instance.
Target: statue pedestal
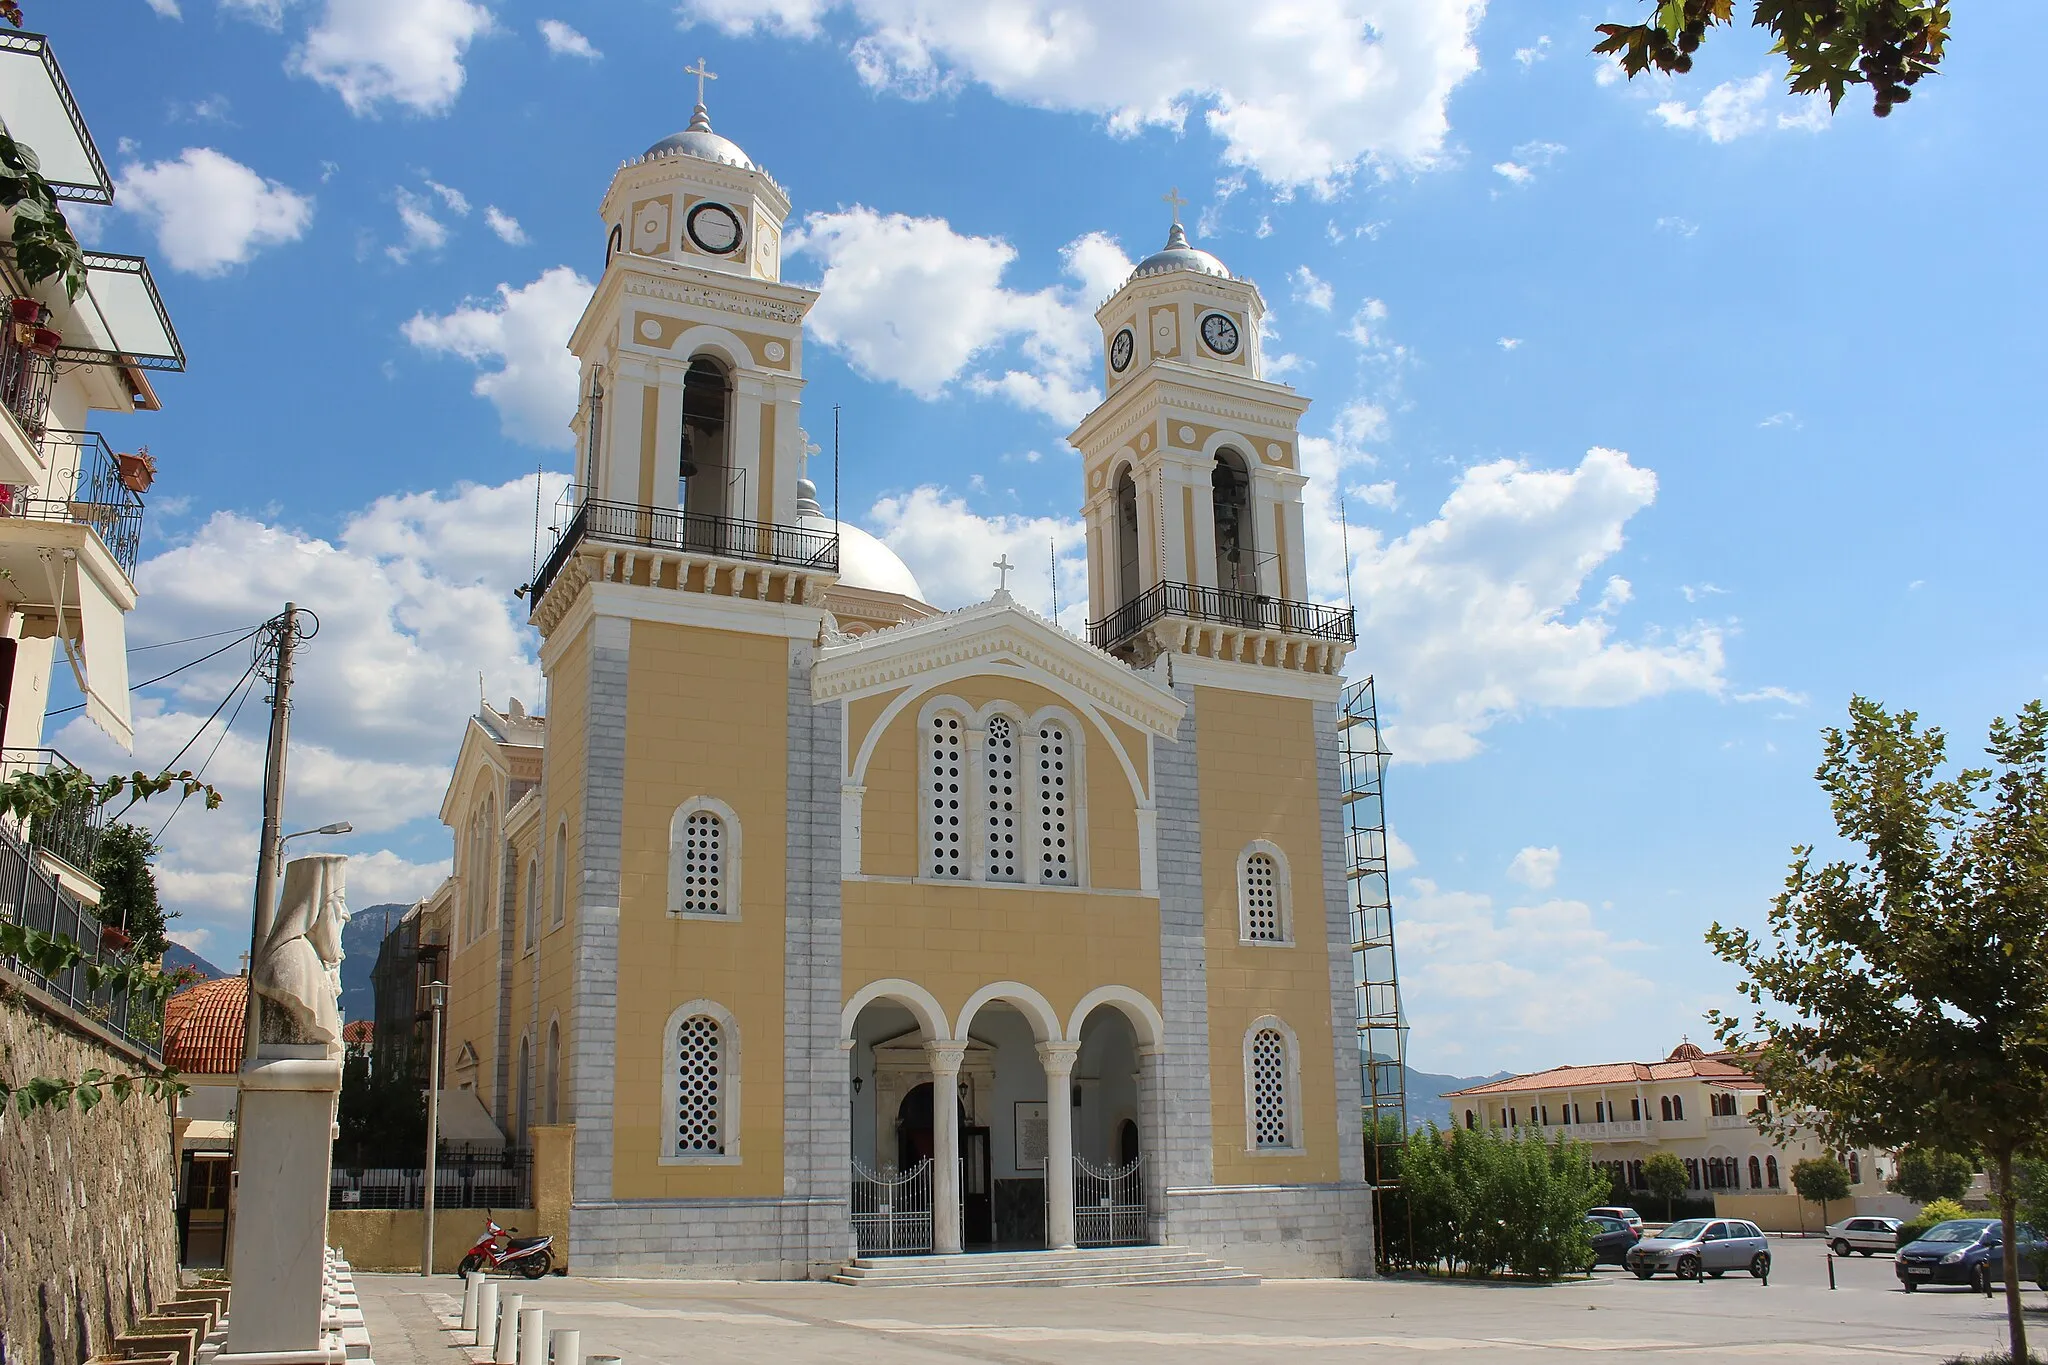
(285, 1130)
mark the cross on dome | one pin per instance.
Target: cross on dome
(1003, 566)
(1172, 197)
(703, 73)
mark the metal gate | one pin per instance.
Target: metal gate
(892, 1214)
(1109, 1205)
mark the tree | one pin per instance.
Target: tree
(121, 865)
(1902, 995)
(1821, 1180)
(1489, 1200)
(1827, 44)
(1926, 1174)
(1665, 1176)
(382, 1115)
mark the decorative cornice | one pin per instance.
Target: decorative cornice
(719, 300)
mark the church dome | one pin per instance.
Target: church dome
(864, 562)
(699, 141)
(1178, 255)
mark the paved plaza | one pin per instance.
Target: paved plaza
(1795, 1318)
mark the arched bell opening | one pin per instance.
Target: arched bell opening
(1230, 487)
(1127, 584)
(704, 468)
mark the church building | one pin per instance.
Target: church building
(838, 924)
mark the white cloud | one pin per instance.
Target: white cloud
(1536, 867)
(1520, 175)
(912, 302)
(1535, 52)
(1782, 419)
(167, 9)
(1529, 158)
(1777, 694)
(1681, 226)
(1509, 343)
(505, 225)
(456, 200)
(564, 41)
(1400, 857)
(1316, 293)
(1301, 91)
(1483, 605)
(523, 332)
(1736, 109)
(209, 211)
(1364, 323)
(423, 231)
(1695, 593)
(269, 13)
(414, 599)
(1520, 987)
(952, 550)
(403, 52)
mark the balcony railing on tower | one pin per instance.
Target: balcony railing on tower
(636, 526)
(84, 487)
(27, 366)
(1223, 607)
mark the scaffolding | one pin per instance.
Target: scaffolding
(1382, 1029)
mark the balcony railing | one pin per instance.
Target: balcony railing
(666, 528)
(25, 374)
(84, 488)
(1221, 606)
(72, 831)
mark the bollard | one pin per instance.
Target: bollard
(509, 1305)
(533, 1337)
(487, 1318)
(470, 1284)
(568, 1346)
(1831, 1270)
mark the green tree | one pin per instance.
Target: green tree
(1489, 1200)
(1926, 1174)
(1665, 1176)
(1821, 1180)
(1828, 45)
(382, 1117)
(121, 865)
(1902, 994)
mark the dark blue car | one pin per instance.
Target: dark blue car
(1968, 1251)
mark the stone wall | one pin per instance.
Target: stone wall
(88, 1205)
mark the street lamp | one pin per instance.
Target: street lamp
(338, 827)
(435, 994)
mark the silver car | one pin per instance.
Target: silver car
(1867, 1235)
(1697, 1246)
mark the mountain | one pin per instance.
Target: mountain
(361, 937)
(1426, 1091)
(178, 957)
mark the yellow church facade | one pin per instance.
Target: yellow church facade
(837, 924)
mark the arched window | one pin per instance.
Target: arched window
(532, 901)
(1635, 1110)
(704, 860)
(1230, 487)
(945, 796)
(561, 871)
(1470, 1121)
(1756, 1174)
(522, 1116)
(1855, 1170)
(1771, 1171)
(704, 466)
(553, 1104)
(1664, 1104)
(701, 1090)
(1270, 1089)
(999, 764)
(1678, 1108)
(1262, 894)
(1126, 581)
(1056, 844)
(1692, 1173)
(482, 868)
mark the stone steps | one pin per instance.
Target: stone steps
(1093, 1266)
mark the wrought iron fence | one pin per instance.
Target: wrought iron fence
(25, 373)
(1109, 1205)
(72, 830)
(667, 528)
(85, 487)
(1220, 606)
(892, 1213)
(464, 1178)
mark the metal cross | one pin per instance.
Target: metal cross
(1172, 197)
(1002, 567)
(803, 461)
(703, 73)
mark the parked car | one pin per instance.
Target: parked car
(1625, 1215)
(1702, 1246)
(1611, 1239)
(1867, 1235)
(1968, 1251)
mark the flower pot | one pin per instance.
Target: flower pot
(47, 340)
(138, 471)
(115, 939)
(25, 310)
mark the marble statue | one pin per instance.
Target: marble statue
(298, 976)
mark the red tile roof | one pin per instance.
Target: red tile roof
(1686, 1062)
(204, 1026)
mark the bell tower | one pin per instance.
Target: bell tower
(1193, 476)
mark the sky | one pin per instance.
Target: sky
(1667, 415)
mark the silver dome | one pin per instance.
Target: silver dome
(699, 141)
(1178, 255)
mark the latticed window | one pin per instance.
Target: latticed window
(945, 803)
(1055, 837)
(1269, 1089)
(1000, 763)
(703, 864)
(1262, 898)
(700, 1087)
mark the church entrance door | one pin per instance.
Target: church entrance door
(914, 1143)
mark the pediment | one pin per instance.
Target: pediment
(997, 634)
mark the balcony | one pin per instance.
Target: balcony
(668, 535)
(1729, 1121)
(1246, 613)
(72, 831)
(1622, 1130)
(84, 489)
(26, 375)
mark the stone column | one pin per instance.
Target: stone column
(945, 1059)
(1058, 1061)
(1152, 1141)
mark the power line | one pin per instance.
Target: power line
(246, 689)
(249, 673)
(174, 672)
(195, 639)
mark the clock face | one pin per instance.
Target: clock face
(714, 228)
(1220, 333)
(1120, 351)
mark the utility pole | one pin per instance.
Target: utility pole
(283, 633)
(437, 1000)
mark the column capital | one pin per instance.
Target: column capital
(945, 1055)
(1058, 1057)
